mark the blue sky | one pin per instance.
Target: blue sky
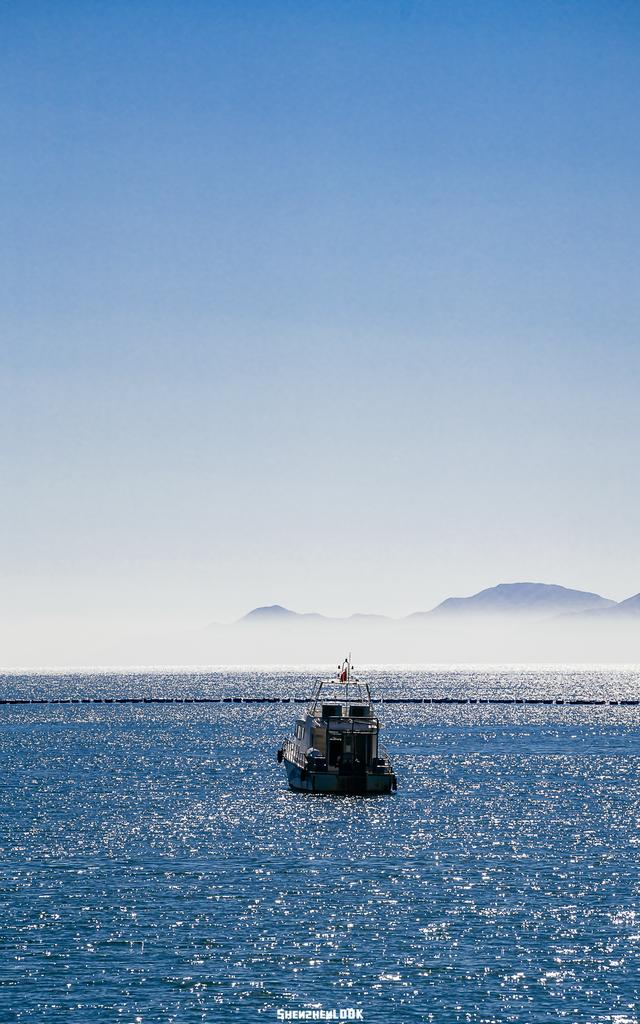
(331, 304)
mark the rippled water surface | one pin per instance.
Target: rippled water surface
(155, 866)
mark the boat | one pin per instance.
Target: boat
(335, 746)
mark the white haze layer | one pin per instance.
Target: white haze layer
(494, 639)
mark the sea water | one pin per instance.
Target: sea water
(155, 867)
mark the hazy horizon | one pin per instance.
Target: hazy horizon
(332, 306)
(480, 638)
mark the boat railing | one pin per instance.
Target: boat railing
(355, 724)
(293, 753)
(316, 705)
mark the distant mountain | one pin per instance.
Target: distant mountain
(621, 612)
(272, 611)
(275, 613)
(517, 600)
(629, 607)
(522, 600)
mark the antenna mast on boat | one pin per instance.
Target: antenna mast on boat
(348, 674)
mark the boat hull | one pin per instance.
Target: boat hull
(306, 781)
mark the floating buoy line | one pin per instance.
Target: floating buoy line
(561, 701)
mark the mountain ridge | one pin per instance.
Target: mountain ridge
(522, 600)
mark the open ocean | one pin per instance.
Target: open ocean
(154, 865)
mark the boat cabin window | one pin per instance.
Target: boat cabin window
(332, 711)
(359, 711)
